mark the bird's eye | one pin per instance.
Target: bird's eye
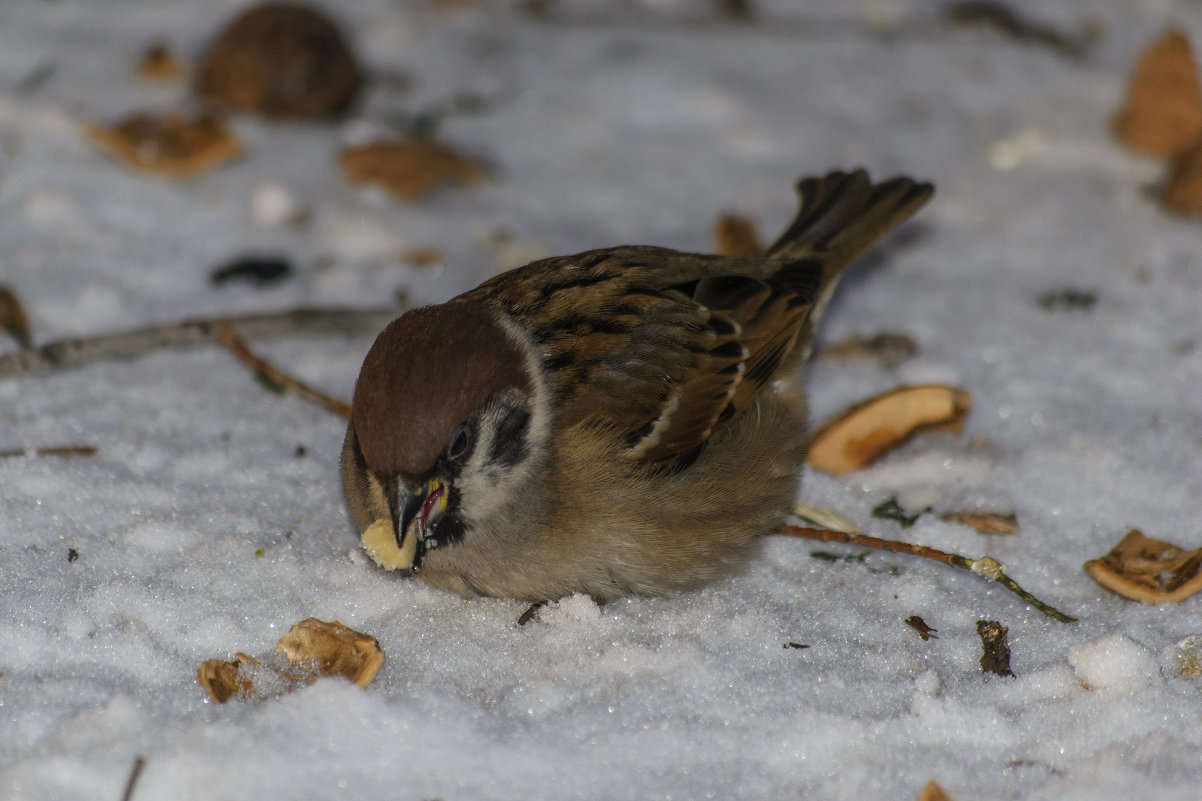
(457, 447)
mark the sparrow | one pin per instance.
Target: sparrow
(622, 421)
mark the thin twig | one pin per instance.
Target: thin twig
(134, 773)
(266, 370)
(67, 353)
(985, 566)
(64, 451)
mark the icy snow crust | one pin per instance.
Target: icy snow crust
(610, 123)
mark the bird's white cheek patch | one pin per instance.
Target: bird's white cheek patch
(380, 543)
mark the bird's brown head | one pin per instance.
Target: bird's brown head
(449, 417)
(428, 372)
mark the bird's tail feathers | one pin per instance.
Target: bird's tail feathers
(843, 214)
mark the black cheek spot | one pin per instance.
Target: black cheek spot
(451, 528)
(508, 447)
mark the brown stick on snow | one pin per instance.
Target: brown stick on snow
(985, 566)
(81, 351)
(226, 336)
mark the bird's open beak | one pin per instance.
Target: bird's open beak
(398, 542)
(420, 511)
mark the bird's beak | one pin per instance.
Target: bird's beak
(420, 512)
(398, 542)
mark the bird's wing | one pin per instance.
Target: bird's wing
(659, 347)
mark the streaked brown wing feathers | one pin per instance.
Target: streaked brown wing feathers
(657, 345)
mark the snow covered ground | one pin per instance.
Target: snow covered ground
(210, 519)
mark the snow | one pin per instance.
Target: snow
(606, 123)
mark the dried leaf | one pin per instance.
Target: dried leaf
(736, 236)
(862, 434)
(886, 349)
(172, 146)
(1144, 569)
(984, 522)
(918, 624)
(281, 60)
(334, 649)
(995, 656)
(1162, 114)
(408, 168)
(158, 63)
(932, 792)
(13, 318)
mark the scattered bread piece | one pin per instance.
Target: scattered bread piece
(158, 63)
(1162, 113)
(172, 145)
(736, 236)
(408, 168)
(1144, 569)
(862, 434)
(313, 649)
(984, 522)
(281, 60)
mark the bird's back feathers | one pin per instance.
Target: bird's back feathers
(707, 332)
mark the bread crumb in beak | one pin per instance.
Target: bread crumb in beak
(380, 542)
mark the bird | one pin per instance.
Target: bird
(623, 421)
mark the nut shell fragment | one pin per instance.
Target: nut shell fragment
(172, 145)
(1162, 113)
(310, 650)
(861, 435)
(221, 680)
(380, 543)
(408, 168)
(334, 650)
(1144, 569)
(281, 60)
